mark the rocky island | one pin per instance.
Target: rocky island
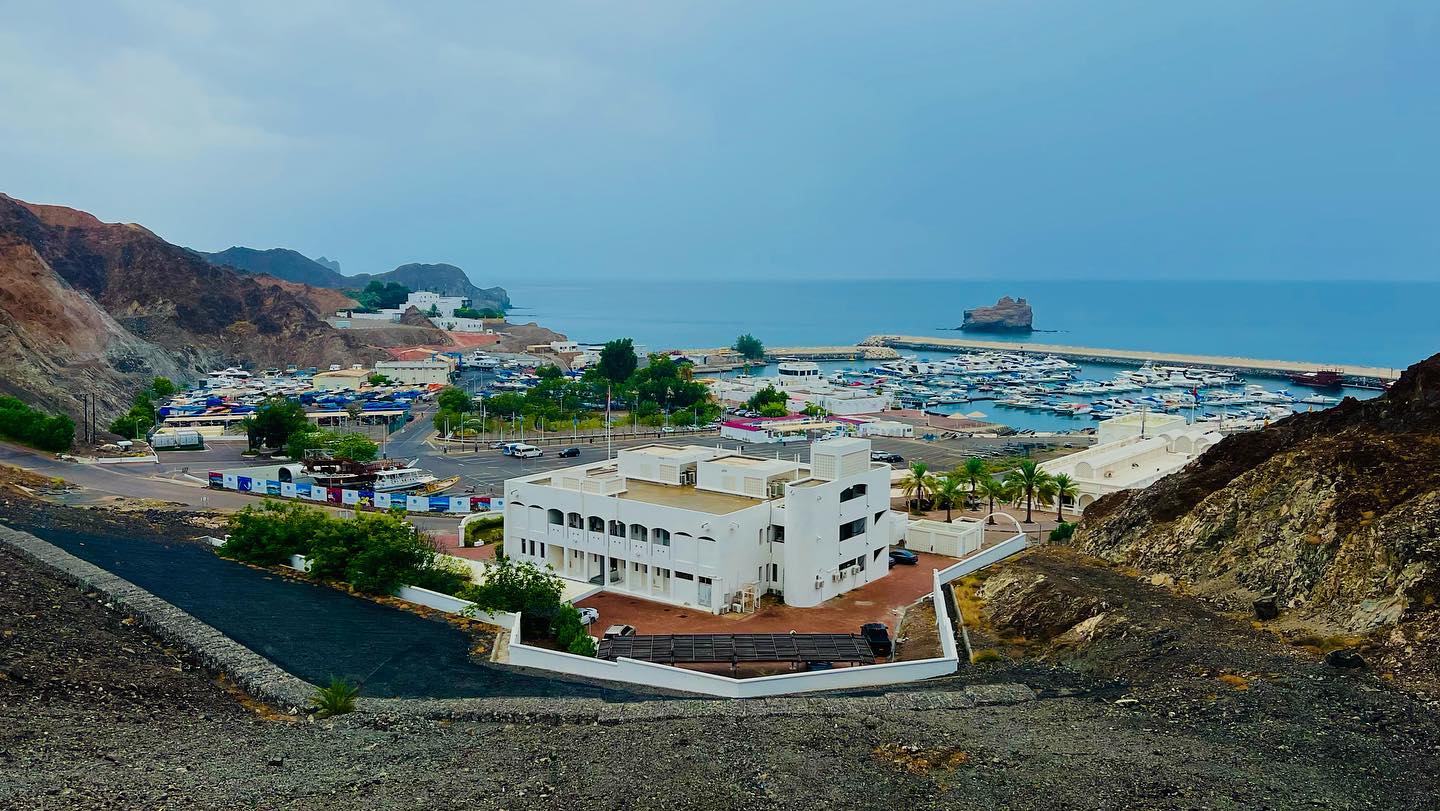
(1006, 315)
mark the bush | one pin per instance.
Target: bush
(566, 627)
(442, 574)
(523, 587)
(35, 428)
(271, 534)
(583, 645)
(1063, 532)
(376, 554)
(485, 530)
(986, 655)
(337, 698)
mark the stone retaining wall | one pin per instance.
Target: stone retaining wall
(268, 682)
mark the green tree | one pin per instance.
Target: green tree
(162, 387)
(767, 396)
(814, 410)
(1027, 480)
(973, 472)
(453, 398)
(377, 379)
(433, 312)
(949, 491)
(35, 428)
(1063, 487)
(356, 447)
(270, 534)
(774, 410)
(275, 421)
(549, 371)
(618, 361)
(917, 484)
(508, 585)
(995, 490)
(381, 295)
(749, 347)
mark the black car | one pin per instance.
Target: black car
(879, 638)
(904, 557)
(881, 456)
(569, 452)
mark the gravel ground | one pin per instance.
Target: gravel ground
(95, 714)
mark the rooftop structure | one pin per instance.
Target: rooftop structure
(1133, 461)
(802, 382)
(708, 528)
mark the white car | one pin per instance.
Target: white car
(589, 616)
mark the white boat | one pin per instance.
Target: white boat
(400, 479)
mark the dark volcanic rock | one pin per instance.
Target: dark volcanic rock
(1006, 315)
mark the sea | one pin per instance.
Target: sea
(1383, 324)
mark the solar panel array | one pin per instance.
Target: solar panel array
(696, 648)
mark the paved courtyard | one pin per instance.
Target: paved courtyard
(880, 601)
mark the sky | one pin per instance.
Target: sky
(749, 140)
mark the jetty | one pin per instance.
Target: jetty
(724, 359)
(1357, 376)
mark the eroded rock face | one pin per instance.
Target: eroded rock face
(1336, 512)
(1006, 315)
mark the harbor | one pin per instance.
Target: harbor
(1368, 377)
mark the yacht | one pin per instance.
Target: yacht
(401, 478)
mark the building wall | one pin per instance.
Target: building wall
(415, 373)
(812, 553)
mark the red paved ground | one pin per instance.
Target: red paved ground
(877, 602)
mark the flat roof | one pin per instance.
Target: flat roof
(736, 648)
(687, 497)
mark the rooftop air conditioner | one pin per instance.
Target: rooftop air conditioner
(835, 576)
(819, 581)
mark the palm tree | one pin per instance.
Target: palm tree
(1027, 480)
(1065, 487)
(974, 472)
(918, 484)
(995, 490)
(949, 489)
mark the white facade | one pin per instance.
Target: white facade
(416, 372)
(708, 528)
(1137, 424)
(955, 539)
(802, 383)
(1133, 461)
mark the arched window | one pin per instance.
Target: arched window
(573, 521)
(853, 491)
(597, 524)
(617, 528)
(554, 517)
(660, 536)
(639, 533)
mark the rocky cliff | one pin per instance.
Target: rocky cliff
(88, 306)
(1336, 513)
(1006, 315)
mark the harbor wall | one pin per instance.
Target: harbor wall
(1356, 376)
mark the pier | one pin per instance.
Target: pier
(1357, 376)
(725, 359)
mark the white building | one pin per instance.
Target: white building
(802, 383)
(1128, 458)
(417, 372)
(708, 528)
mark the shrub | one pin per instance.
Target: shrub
(374, 553)
(1063, 532)
(567, 627)
(986, 655)
(35, 428)
(485, 530)
(583, 645)
(519, 586)
(271, 534)
(442, 574)
(336, 698)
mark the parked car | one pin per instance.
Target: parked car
(629, 630)
(588, 616)
(495, 446)
(568, 453)
(669, 429)
(904, 557)
(879, 638)
(881, 456)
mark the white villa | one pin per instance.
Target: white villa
(709, 528)
(1134, 451)
(801, 380)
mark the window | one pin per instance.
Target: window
(684, 576)
(852, 492)
(660, 536)
(597, 524)
(555, 517)
(705, 581)
(851, 529)
(573, 521)
(639, 533)
(617, 528)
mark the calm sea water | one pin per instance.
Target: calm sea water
(1387, 324)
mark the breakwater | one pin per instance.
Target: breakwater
(1357, 376)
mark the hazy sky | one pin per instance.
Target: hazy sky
(662, 140)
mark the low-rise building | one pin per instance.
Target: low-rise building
(434, 371)
(340, 379)
(1139, 457)
(708, 528)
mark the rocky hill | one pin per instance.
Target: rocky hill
(1005, 315)
(88, 306)
(1336, 513)
(293, 266)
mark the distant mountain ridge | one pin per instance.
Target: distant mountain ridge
(293, 266)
